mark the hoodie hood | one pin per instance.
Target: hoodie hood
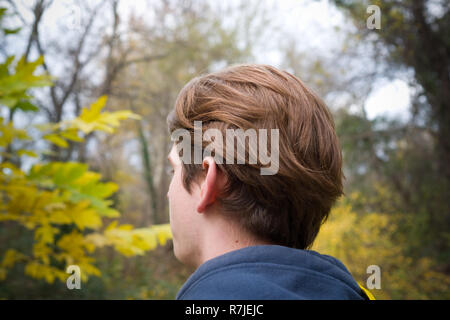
(271, 272)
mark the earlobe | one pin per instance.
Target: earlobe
(208, 189)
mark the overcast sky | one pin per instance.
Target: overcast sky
(313, 22)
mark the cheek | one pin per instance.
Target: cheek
(174, 187)
(182, 204)
(171, 195)
(177, 196)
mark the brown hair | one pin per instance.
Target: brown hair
(289, 207)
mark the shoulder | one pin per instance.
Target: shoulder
(236, 282)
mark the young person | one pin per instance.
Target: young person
(248, 231)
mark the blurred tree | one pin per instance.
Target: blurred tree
(86, 44)
(61, 205)
(411, 157)
(416, 35)
(361, 239)
(397, 166)
(197, 41)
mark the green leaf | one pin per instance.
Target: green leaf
(23, 78)
(9, 102)
(11, 31)
(4, 66)
(2, 12)
(69, 172)
(25, 105)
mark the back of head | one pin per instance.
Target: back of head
(286, 208)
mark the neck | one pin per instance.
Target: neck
(221, 237)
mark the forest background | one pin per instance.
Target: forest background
(85, 88)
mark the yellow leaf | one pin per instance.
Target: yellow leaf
(45, 233)
(93, 118)
(11, 257)
(2, 274)
(111, 226)
(27, 153)
(91, 114)
(71, 134)
(126, 227)
(56, 139)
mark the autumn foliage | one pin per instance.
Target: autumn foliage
(63, 204)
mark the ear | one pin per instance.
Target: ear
(209, 186)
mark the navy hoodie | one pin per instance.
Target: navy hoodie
(271, 272)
